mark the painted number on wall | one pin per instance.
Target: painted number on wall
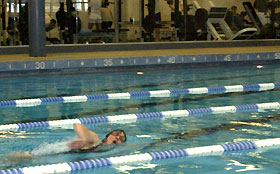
(171, 60)
(40, 65)
(227, 58)
(108, 62)
(277, 55)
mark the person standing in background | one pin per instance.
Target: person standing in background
(261, 5)
(179, 18)
(95, 14)
(106, 15)
(23, 25)
(158, 20)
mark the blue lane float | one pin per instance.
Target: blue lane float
(138, 95)
(145, 157)
(130, 118)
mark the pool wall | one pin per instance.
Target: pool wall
(138, 54)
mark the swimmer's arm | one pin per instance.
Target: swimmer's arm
(87, 137)
(85, 134)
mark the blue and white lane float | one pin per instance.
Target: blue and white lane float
(138, 95)
(144, 157)
(130, 118)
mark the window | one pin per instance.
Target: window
(51, 6)
(81, 5)
(12, 7)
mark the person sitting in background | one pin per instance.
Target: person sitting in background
(51, 25)
(245, 22)
(237, 20)
(234, 20)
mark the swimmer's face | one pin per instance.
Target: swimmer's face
(116, 137)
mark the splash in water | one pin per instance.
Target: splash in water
(54, 148)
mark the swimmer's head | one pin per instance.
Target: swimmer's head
(117, 136)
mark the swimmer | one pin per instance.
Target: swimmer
(88, 142)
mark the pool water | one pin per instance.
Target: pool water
(148, 135)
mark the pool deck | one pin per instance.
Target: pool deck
(140, 53)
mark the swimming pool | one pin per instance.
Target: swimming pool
(150, 134)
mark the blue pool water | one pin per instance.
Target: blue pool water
(144, 136)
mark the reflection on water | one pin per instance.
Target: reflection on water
(244, 167)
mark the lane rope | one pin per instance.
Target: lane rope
(144, 157)
(138, 95)
(130, 118)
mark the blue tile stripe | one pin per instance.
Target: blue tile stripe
(220, 89)
(135, 95)
(277, 85)
(12, 171)
(247, 107)
(175, 92)
(254, 87)
(89, 164)
(97, 97)
(33, 125)
(10, 103)
(140, 95)
(143, 116)
(168, 154)
(51, 100)
(245, 145)
(148, 115)
(147, 157)
(199, 111)
(94, 120)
